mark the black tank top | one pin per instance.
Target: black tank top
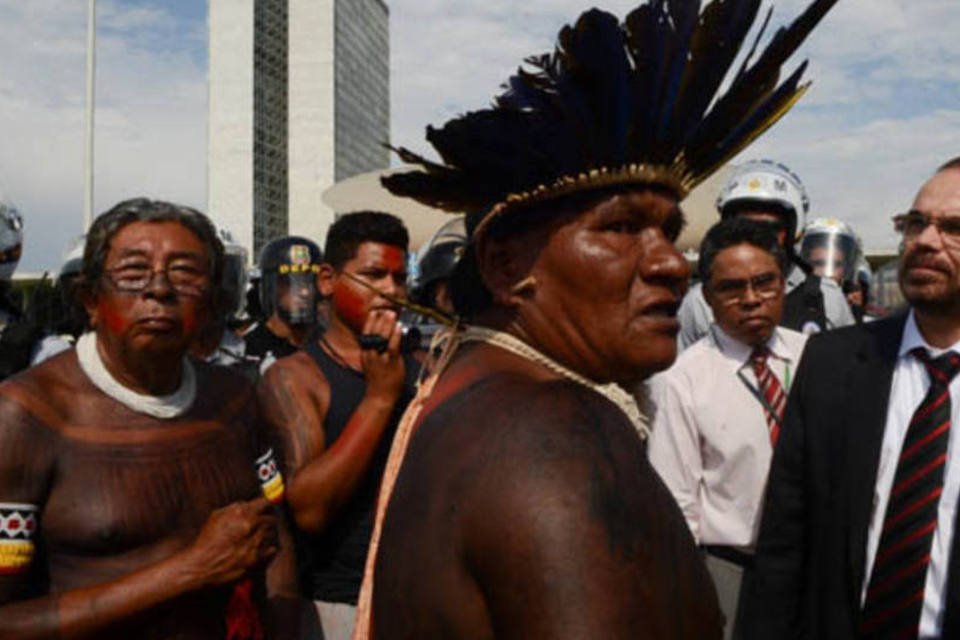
(332, 563)
(261, 342)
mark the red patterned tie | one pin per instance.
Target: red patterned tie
(774, 398)
(895, 595)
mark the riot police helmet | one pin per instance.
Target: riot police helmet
(11, 238)
(288, 279)
(766, 184)
(831, 248)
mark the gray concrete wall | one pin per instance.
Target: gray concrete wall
(230, 113)
(362, 86)
(311, 115)
(278, 139)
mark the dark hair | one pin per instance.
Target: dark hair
(107, 224)
(953, 163)
(735, 231)
(351, 230)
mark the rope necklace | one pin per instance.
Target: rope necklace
(611, 391)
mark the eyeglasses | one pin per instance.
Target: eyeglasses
(912, 223)
(186, 280)
(765, 286)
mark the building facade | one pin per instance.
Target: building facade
(299, 99)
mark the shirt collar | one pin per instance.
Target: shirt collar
(912, 338)
(740, 352)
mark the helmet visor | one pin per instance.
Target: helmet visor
(296, 297)
(831, 255)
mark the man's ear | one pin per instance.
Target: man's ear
(325, 278)
(506, 269)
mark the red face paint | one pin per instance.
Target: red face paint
(350, 303)
(394, 259)
(190, 322)
(113, 319)
(118, 321)
(382, 267)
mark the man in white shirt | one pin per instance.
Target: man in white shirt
(858, 531)
(718, 409)
(768, 191)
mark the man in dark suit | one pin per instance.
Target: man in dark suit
(857, 537)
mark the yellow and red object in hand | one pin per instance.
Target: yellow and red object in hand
(271, 480)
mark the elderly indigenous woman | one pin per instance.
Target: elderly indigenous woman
(132, 479)
(524, 506)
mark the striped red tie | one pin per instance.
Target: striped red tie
(774, 398)
(895, 595)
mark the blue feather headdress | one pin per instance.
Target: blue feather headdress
(616, 104)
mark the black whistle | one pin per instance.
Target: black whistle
(373, 341)
(410, 338)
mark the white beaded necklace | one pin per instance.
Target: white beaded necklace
(163, 407)
(612, 391)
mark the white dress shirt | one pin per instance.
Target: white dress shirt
(710, 441)
(910, 384)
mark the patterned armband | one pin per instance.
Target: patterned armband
(18, 526)
(271, 480)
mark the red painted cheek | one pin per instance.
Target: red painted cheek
(114, 321)
(191, 322)
(350, 307)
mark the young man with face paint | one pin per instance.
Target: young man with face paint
(135, 483)
(336, 405)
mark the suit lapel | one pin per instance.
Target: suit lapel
(868, 390)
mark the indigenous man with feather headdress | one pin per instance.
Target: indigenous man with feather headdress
(518, 501)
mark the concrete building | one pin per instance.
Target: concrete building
(299, 99)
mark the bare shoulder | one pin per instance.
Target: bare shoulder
(294, 396)
(296, 372)
(33, 410)
(292, 389)
(49, 391)
(222, 378)
(548, 494)
(517, 444)
(516, 412)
